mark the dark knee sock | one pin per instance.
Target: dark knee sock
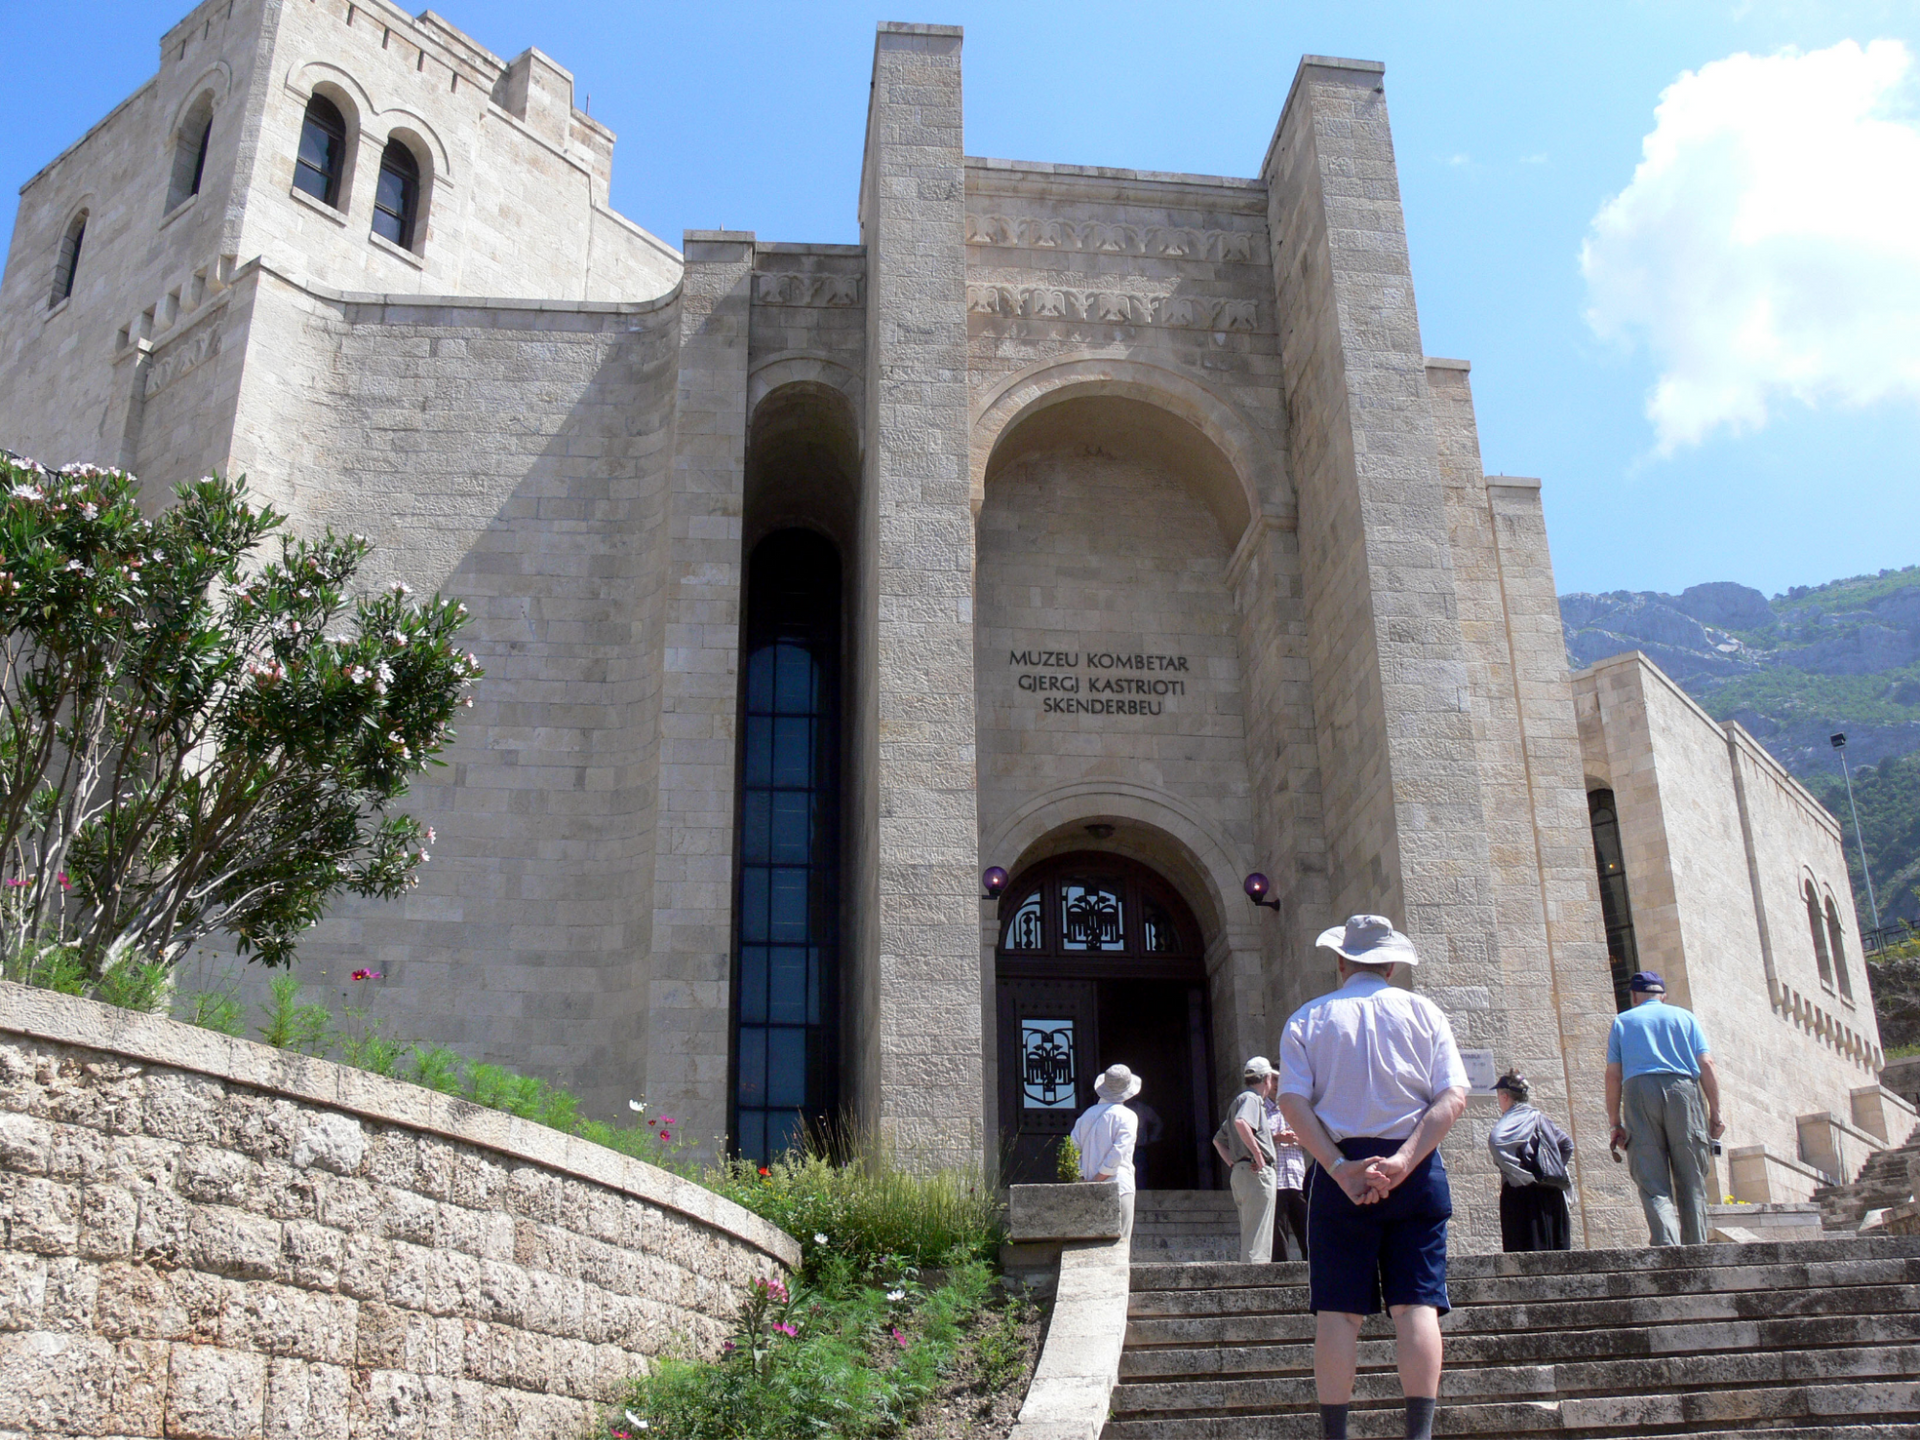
(1420, 1415)
(1333, 1421)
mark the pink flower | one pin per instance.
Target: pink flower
(65, 884)
(898, 1339)
(666, 1120)
(367, 976)
(784, 1329)
(15, 882)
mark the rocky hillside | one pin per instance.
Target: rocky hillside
(1792, 669)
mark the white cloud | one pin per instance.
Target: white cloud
(1768, 246)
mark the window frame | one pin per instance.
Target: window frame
(407, 219)
(333, 195)
(66, 260)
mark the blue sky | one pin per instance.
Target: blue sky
(1760, 277)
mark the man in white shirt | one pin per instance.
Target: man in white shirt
(1371, 1080)
(1106, 1134)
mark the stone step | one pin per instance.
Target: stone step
(1527, 1347)
(1290, 1294)
(1546, 1317)
(1366, 1426)
(1821, 1409)
(1561, 1381)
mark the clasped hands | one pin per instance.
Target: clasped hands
(1368, 1179)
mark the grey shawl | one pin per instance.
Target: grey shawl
(1514, 1133)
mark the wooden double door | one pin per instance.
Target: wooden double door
(1100, 962)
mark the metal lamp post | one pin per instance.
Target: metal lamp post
(1839, 741)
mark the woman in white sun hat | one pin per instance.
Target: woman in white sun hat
(1106, 1134)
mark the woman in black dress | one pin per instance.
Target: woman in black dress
(1535, 1158)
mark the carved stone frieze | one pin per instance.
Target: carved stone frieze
(1176, 242)
(796, 288)
(187, 355)
(1111, 307)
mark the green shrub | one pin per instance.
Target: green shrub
(851, 1353)
(1066, 1161)
(293, 1024)
(869, 1208)
(220, 1011)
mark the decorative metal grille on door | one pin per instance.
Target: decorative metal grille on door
(1047, 1066)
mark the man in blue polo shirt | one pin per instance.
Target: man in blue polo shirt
(1658, 1065)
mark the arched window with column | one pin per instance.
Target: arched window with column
(322, 159)
(1616, 910)
(1816, 923)
(1836, 942)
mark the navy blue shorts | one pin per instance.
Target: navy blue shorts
(1394, 1250)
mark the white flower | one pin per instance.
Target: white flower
(819, 1238)
(25, 492)
(896, 1295)
(400, 587)
(636, 1105)
(636, 1422)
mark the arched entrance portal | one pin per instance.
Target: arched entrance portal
(1100, 961)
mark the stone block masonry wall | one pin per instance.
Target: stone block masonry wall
(917, 1051)
(1557, 995)
(207, 1237)
(1405, 818)
(514, 454)
(1719, 842)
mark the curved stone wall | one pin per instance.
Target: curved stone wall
(209, 1237)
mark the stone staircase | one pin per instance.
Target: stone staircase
(1804, 1338)
(1885, 1180)
(1185, 1226)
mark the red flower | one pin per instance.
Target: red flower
(366, 975)
(666, 1135)
(765, 1172)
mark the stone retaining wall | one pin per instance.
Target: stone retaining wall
(208, 1237)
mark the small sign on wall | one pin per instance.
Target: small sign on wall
(1481, 1071)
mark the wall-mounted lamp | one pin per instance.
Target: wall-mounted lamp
(1256, 887)
(993, 880)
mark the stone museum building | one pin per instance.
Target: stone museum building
(1112, 528)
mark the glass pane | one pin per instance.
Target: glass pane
(759, 752)
(1046, 1065)
(1023, 927)
(753, 1066)
(789, 905)
(792, 835)
(794, 685)
(787, 993)
(813, 986)
(753, 903)
(389, 226)
(317, 149)
(752, 1139)
(753, 983)
(756, 841)
(1090, 917)
(793, 752)
(760, 680)
(786, 1066)
(1156, 928)
(784, 1133)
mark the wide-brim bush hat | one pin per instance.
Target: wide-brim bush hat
(1117, 1083)
(1371, 939)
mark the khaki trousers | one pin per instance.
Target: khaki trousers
(1669, 1153)
(1253, 1196)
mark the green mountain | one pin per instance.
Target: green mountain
(1793, 669)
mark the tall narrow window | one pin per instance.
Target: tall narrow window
(1817, 925)
(397, 197)
(1836, 940)
(787, 910)
(200, 156)
(67, 264)
(323, 151)
(1623, 956)
(190, 144)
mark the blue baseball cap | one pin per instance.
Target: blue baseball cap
(1647, 983)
